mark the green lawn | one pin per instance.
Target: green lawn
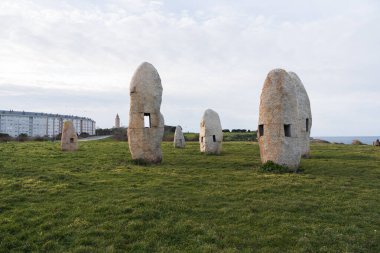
(97, 200)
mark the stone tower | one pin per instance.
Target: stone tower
(179, 139)
(304, 115)
(146, 123)
(69, 139)
(278, 130)
(117, 121)
(210, 135)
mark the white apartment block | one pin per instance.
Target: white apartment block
(33, 124)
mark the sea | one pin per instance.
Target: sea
(348, 139)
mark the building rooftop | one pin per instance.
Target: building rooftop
(23, 113)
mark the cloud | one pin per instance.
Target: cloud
(210, 54)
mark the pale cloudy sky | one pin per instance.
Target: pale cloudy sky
(78, 56)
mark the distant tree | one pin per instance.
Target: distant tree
(238, 130)
(84, 135)
(103, 131)
(5, 137)
(169, 129)
(39, 138)
(120, 134)
(57, 137)
(226, 130)
(22, 137)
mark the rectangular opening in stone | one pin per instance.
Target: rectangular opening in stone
(261, 130)
(213, 138)
(201, 139)
(147, 120)
(307, 125)
(287, 130)
(71, 140)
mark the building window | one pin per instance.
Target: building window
(287, 130)
(307, 125)
(147, 120)
(213, 138)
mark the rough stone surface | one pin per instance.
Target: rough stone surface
(210, 135)
(278, 117)
(179, 139)
(69, 139)
(146, 95)
(304, 115)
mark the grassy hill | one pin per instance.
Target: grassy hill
(97, 200)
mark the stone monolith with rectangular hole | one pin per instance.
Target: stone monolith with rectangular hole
(146, 123)
(278, 130)
(210, 135)
(69, 138)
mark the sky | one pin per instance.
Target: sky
(78, 57)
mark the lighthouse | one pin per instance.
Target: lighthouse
(117, 121)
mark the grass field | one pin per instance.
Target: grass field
(249, 136)
(97, 200)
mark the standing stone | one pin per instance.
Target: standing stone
(210, 135)
(179, 139)
(304, 115)
(69, 139)
(278, 131)
(146, 123)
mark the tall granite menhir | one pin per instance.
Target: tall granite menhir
(278, 131)
(69, 138)
(146, 123)
(210, 135)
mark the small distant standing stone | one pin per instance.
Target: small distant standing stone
(179, 139)
(376, 143)
(210, 135)
(69, 139)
